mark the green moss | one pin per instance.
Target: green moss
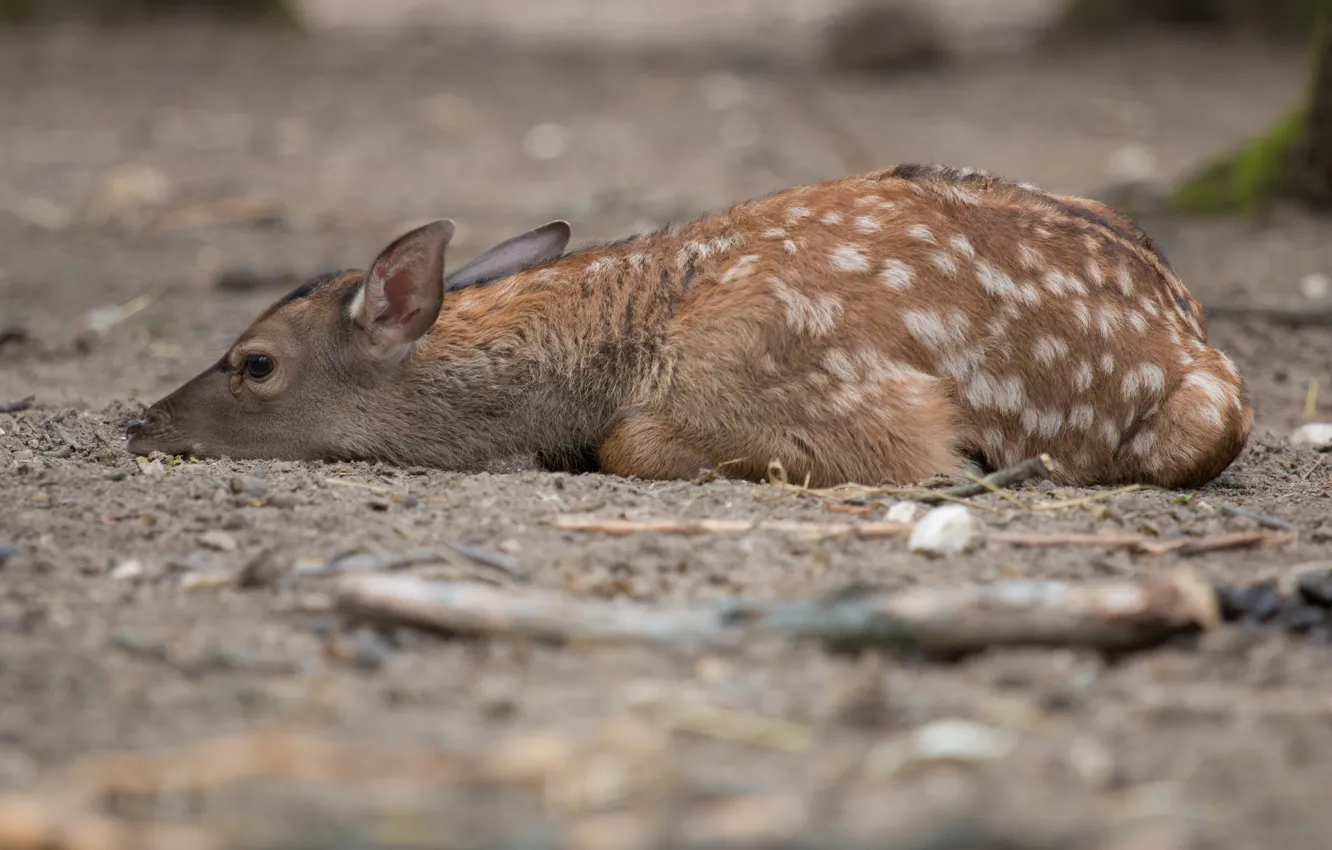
(1248, 179)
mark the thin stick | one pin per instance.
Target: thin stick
(1141, 543)
(1086, 500)
(1264, 520)
(1036, 467)
(1310, 471)
(726, 526)
(1311, 399)
(1118, 615)
(358, 561)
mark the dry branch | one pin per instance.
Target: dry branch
(1292, 316)
(1118, 615)
(1142, 543)
(727, 526)
(1036, 467)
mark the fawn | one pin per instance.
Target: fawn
(882, 327)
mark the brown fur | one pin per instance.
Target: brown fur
(761, 333)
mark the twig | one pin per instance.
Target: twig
(1118, 615)
(726, 526)
(1264, 520)
(17, 406)
(1036, 467)
(1292, 316)
(1086, 500)
(1304, 476)
(358, 561)
(1311, 399)
(1142, 543)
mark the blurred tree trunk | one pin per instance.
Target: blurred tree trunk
(1293, 159)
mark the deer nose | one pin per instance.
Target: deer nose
(133, 429)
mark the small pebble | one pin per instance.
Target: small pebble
(218, 541)
(1255, 603)
(1315, 286)
(410, 500)
(902, 512)
(247, 486)
(1316, 434)
(127, 570)
(946, 530)
(262, 571)
(1301, 618)
(1316, 588)
(234, 521)
(151, 468)
(284, 501)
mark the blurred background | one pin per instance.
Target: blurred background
(173, 150)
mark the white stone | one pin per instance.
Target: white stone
(946, 740)
(943, 531)
(1315, 286)
(1316, 434)
(902, 512)
(126, 570)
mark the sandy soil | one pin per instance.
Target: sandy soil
(144, 165)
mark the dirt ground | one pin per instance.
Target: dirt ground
(138, 167)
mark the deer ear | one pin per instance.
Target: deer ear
(536, 246)
(404, 287)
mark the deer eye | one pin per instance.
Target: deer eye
(258, 366)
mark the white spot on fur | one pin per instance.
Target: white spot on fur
(1107, 363)
(600, 265)
(921, 232)
(928, 328)
(795, 214)
(1138, 321)
(790, 246)
(1043, 423)
(896, 275)
(1081, 416)
(1029, 293)
(961, 364)
(849, 258)
(1005, 394)
(774, 233)
(1125, 279)
(868, 224)
(1030, 258)
(869, 199)
(638, 260)
(1109, 432)
(836, 362)
(1059, 282)
(1145, 377)
(995, 282)
(1229, 366)
(944, 263)
(1108, 319)
(741, 268)
(1082, 376)
(962, 245)
(1150, 306)
(1094, 272)
(832, 217)
(1048, 349)
(815, 317)
(1212, 386)
(1143, 442)
(1082, 313)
